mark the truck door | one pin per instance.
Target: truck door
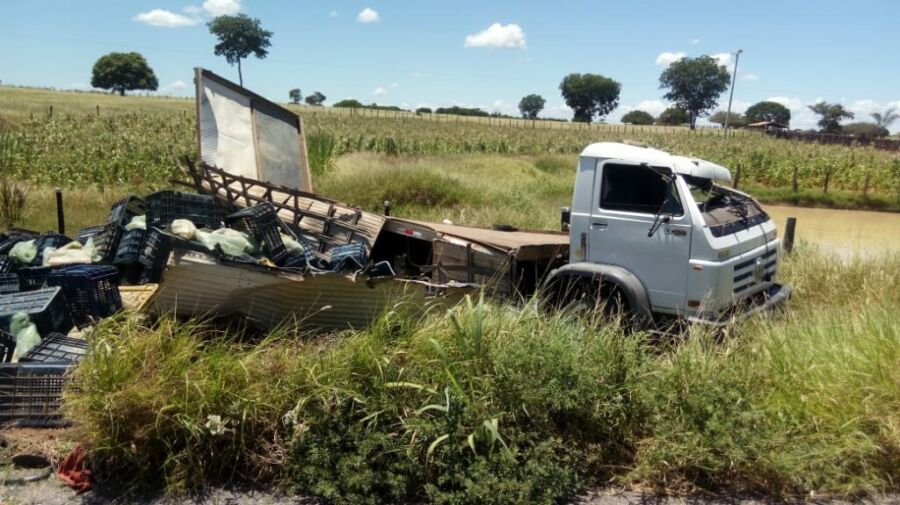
(627, 198)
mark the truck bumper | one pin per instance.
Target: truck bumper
(774, 297)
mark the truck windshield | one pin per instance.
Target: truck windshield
(724, 210)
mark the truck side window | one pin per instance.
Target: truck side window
(634, 188)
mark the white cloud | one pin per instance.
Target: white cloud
(665, 59)
(368, 15)
(393, 85)
(380, 90)
(418, 75)
(722, 58)
(333, 14)
(695, 41)
(749, 77)
(222, 7)
(497, 35)
(165, 19)
(498, 104)
(654, 107)
(172, 87)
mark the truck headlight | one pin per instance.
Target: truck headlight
(724, 253)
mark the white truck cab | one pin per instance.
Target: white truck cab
(662, 232)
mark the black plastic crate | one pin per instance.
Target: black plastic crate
(6, 265)
(126, 209)
(9, 283)
(54, 240)
(91, 232)
(129, 247)
(349, 257)
(7, 347)
(56, 348)
(163, 207)
(262, 222)
(31, 393)
(155, 252)
(32, 278)
(45, 307)
(91, 292)
(106, 243)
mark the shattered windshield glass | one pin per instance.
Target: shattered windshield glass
(723, 209)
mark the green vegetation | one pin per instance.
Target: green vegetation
(121, 72)
(139, 148)
(590, 96)
(491, 403)
(239, 37)
(531, 105)
(694, 85)
(768, 111)
(638, 117)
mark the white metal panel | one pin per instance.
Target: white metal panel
(226, 130)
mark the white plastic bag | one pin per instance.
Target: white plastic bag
(184, 229)
(232, 242)
(293, 247)
(24, 252)
(137, 223)
(25, 332)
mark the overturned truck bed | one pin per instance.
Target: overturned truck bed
(423, 264)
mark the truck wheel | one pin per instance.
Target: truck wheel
(588, 297)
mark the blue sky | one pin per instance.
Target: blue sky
(476, 53)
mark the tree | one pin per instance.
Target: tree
(531, 105)
(239, 37)
(865, 129)
(832, 114)
(673, 116)
(736, 120)
(638, 117)
(590, 95)
(423, 110)
(768, 111)
(123, 72)
(694, 85)
(315, 99)
(349, 103)
(885, 119)
(294, 95)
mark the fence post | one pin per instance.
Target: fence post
(737, 176)
(789, 229)
(60, 216)
(794, 186)
(98, 110)
(866, 184)
(51, 112)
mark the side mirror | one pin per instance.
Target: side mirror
(565, 218)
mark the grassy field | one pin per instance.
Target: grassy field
(492, 403)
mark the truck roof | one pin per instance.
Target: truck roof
(640, 154)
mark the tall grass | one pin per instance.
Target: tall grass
(490, 403)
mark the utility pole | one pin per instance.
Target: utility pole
(737, 56)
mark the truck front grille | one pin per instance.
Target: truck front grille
(745, 271)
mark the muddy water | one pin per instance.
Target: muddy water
(842, 231)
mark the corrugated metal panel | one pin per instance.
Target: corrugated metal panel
(195, 285)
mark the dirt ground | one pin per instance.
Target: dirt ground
(56, 443)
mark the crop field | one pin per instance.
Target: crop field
(485, 402)
(76, 146)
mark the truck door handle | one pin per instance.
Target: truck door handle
(599, 226)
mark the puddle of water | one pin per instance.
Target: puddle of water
(842, 231)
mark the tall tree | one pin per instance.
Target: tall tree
(239, 37)
(638, 117)
(831, 116)
(694, 85)
(885, 119)
(531, 105)
(768, 111)
(123, 72)
(590, 95)
(735, 119)
(315, 98)
(294, 95)
(672, 116)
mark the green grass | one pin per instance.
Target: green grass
(491, 403)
